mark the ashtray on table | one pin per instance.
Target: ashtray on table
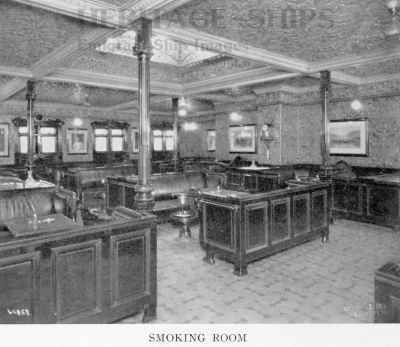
(100, 214)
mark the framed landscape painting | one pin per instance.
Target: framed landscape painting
(4, 138)
(77, 141)
(242, 139)
(211, 136)
(348, 137)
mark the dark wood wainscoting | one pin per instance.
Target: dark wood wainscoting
(242, 227)
(97, 274)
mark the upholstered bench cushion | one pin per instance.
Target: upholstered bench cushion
(90, 178)
(170, 185)
(20, 205)
(166, 205)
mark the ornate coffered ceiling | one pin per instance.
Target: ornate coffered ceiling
(77, 94)
(203, 49)
(28, 34)
(309, 29)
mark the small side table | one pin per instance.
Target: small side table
(184, 218)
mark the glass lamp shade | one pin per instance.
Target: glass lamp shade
(392, 4)
(182, 112)
(356, 105)
(393, 28)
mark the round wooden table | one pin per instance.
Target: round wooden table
(184, 218)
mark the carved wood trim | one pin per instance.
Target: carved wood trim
(115, 241)
(32, 258)
(234, 210)
(274, 203)
(95, 247)
(324, 194)
(308, 208)
(251, 207)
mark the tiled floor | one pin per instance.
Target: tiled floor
(312, 283)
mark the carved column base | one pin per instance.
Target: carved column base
(144, 200)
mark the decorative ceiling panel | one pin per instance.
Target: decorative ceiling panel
(165, 51)
(113, 64)
(28, 34)
(216, 68)
(118, 3)
(306, 29)
(387, 67)
(75, 94)
(5, 79)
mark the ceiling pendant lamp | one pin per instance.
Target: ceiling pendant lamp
(394, 27)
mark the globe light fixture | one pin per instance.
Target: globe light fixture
(235, 117)
(77, 122)
(182, 112)
(356, 105)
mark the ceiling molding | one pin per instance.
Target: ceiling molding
(88, 10)
(201, 117)
(285, 89)
(152, 8)
(45, 104)
(214, 97)
(254, 76)
(343, 78)
(93, 79)
(377, 56)
(15, 71)
(12, 87)
(125, 105)
(75, 47)
(96, 79)
(381, 78)
(232, 48)
(103, 13)
(54, 60)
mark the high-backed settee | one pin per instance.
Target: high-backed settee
(89, 183)
(166, 188)
(18, 201)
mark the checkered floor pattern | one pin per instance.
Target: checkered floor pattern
(312, 283)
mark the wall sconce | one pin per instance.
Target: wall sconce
(183, 107)
(266, 133)
(267, 136)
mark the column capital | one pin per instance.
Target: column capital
(31, 90)
(143, 45)
(325, 80)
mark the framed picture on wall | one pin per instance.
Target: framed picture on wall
(348, 137)
(135, 140)
(77, 141)
(211, 137)
(4, 139)
(242, 139)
